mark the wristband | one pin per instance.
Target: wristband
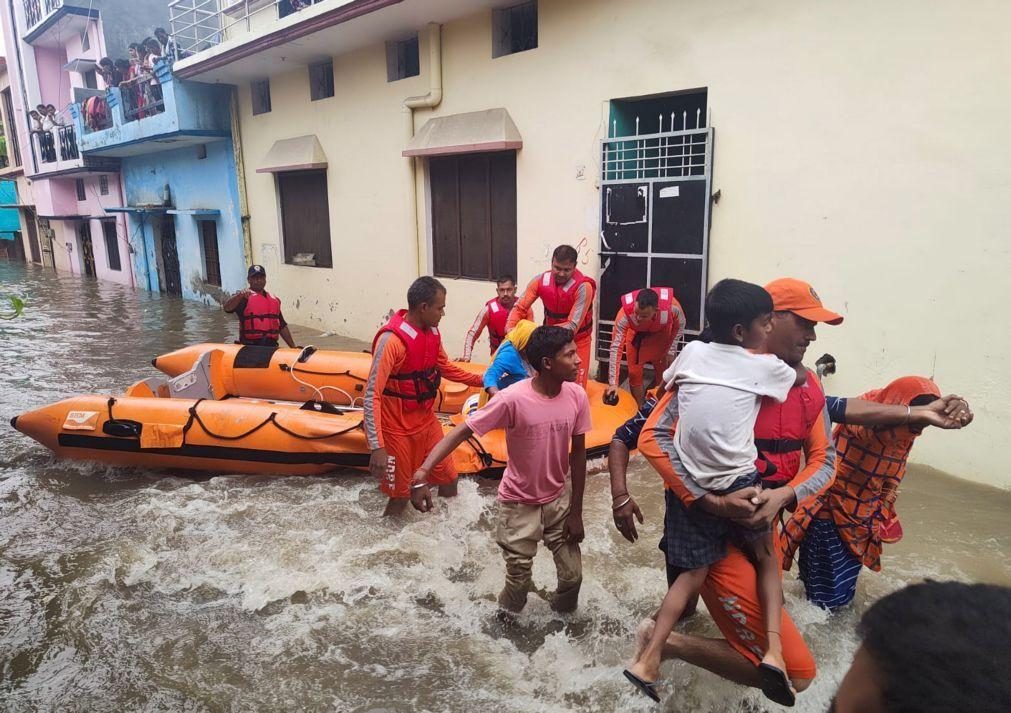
(623, 503)
(619, 495)
(422, 484)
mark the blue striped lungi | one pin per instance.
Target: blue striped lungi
(827, 567)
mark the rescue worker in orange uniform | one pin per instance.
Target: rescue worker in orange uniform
(843, 530)
(408, 362)
(493, 315)
(647, 328)
(567, 296)
(804, 458)
(259, 312)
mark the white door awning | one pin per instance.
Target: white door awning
(302, 153)
(475, 131)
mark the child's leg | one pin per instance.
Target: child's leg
(685, 588)
(770, 595)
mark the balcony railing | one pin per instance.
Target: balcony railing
(37, 10)
(200, 24)
(55, 146)
(142, 97)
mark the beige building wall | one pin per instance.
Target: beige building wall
(859, 145)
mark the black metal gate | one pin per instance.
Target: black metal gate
(654, 219)
(170, 258)
(87, 249)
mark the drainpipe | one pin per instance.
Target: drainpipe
(426, 101)
(240, 175)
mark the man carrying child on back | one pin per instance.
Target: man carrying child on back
(545, 419)
(720, 386)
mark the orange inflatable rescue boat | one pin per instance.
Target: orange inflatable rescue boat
(301, 374)
(192, 422)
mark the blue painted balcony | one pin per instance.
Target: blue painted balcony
(152, 114)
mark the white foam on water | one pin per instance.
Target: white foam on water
(291, 593)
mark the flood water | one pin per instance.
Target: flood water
(130, 590)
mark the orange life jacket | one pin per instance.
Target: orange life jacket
(497, 316)
(417, 384)
(261, 318)
(663, 318)
(558, 300)
(870, 464)
(782, 428)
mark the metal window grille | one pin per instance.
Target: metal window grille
(103, 185)
(670, 154)
(82, 194)
(515, 29)
(321, 80)
(260, 91)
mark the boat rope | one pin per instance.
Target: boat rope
(271, 419)
(318, 390)
(487, 458)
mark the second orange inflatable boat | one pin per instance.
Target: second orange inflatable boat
(300, 375)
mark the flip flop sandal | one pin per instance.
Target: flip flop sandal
(776, 685)
(646, 687)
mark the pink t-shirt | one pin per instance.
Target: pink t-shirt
(538, 433)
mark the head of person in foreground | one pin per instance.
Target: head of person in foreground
(935, 647)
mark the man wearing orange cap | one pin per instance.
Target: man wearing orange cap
(794, 450)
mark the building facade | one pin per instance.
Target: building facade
(182, 205)
(137, 183)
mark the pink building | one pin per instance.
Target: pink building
(53, 48)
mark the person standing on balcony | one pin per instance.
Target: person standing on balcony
(110, 75)
(169, 48)
(122, 69)
(136, 51)
(55, 118)
(45, 120)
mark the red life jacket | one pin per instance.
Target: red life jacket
(497, 316)
(661, 320)
(417, 384)
(261, 318)
(558, 300)
(782, 428)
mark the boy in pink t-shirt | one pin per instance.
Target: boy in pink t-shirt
(546, 419)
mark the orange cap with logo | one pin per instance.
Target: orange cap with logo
(797, 296)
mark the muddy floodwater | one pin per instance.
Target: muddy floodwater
(125, 590)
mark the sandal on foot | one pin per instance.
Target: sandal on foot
(776, 685)
(646, 687)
